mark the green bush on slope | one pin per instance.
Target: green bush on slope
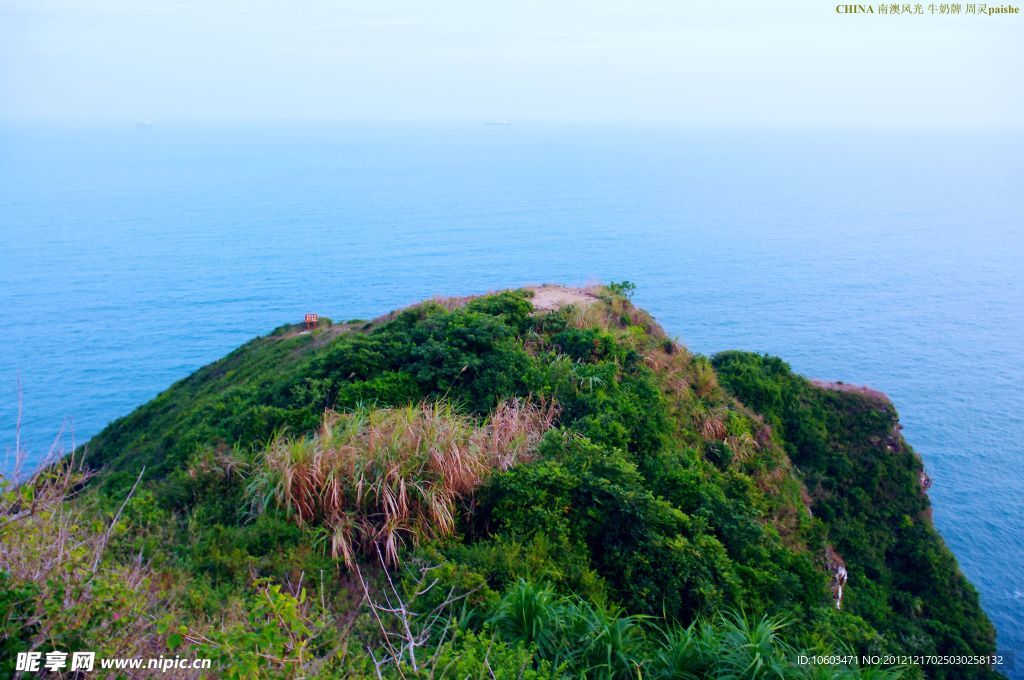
(661, 499)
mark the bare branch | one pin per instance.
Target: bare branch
(110, 529)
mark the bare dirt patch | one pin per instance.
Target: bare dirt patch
(548, 297)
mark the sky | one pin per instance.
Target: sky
(784, 62)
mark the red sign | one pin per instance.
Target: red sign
(312, 320)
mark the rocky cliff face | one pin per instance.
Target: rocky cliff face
(867, 485)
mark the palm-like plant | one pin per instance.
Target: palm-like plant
(533, 615)
(591, 640)
(609, 643)
(752, 648)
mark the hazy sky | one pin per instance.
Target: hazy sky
(738, 62)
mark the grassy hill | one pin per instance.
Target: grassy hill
(535, 483)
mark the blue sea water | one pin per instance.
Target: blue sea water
(130, 256)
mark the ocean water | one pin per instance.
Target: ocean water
(132, 255)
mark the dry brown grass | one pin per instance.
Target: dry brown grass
(220, 462)
(375, 478)
(672, 362)
(712, 427)
(705, 380)
(596, 315)
(743, 446)
(449, 303)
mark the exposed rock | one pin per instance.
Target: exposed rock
(837, 567)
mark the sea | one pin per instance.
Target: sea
(131, 254)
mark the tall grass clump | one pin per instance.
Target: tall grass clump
(705, 380)
(375, 478)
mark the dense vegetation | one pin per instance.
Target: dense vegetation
(473, 488)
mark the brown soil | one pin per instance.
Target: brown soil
(548, 297)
